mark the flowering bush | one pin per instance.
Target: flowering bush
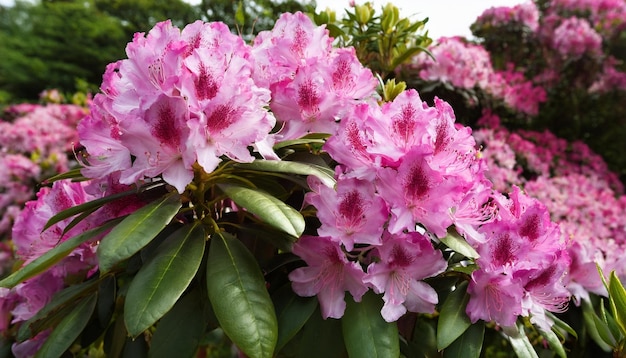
(236, 186)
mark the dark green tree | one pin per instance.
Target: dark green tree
(51, 44)
(251, 16)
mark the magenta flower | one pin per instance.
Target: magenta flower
(405, 260)
(313, 85)
(328, 275)
(179, 98)
(494, 297)
(416, 194)
(350, 214)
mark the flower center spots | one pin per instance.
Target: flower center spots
(493, 301)
(156, 74)
(308, 100)
(417, 184)
(503, 251)
(443, 137)
(194, 43)
(351, 208)
(403, 123)
(400, 258)
(164, 127)
(342, 78)
(221, 118)
(354, 138)
(62, 201)
(543, 280)
(206, 86)
(531, 228)
(300, 41)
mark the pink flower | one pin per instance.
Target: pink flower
(575, 37)
(328, 275)
(179, 98)
(405, 260)
(417, 194)
(352, 213)
(494, 297)
(313, 85)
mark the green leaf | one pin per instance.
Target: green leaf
(469, 344)
(66, 332)
(239, 298)
(70, 174)
(163, 279)
(453, 320)
(591, 319)
(365, 332)
(520, 343)
(52, 256)
(292, 312)
(326, 175)
(617, 297)
(560, 324)
(321, 338)
(136, 231)
(424, 340)
(179, 332)
(266, 207)
(555, 344)
(457, 243)
(239, 14)
(56, 310)
(89, 206)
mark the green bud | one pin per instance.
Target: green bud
(363, 13)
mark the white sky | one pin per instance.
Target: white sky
(446, 17)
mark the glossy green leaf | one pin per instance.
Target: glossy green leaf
(321, 338)
(617, 297)
(292, 312)
(136, 231)
(326, 175)
(603, 331)
(66, 332)
(89, 206)
(521, 344)
(457, 243)
(56, 310)
(469, 344)
(240, 300)
(365, 332)
(53, 256)
(424, 340)
(70, 174)
(591, 320)
(266, 207)
(163, 279)
(612, 325)
(453, 320)
(179, 332)
(560, 324)
(555, 344)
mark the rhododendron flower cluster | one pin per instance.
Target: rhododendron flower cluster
(579, 191)
(455, 61)
(610, 79)
(34, 144)
(406, 174)
(516, 91)
(31, 241)
(607, 16)
(312, 83)
(181, 97)
(525, 14)
(408, 180)
(468, 66)
(574, 37)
